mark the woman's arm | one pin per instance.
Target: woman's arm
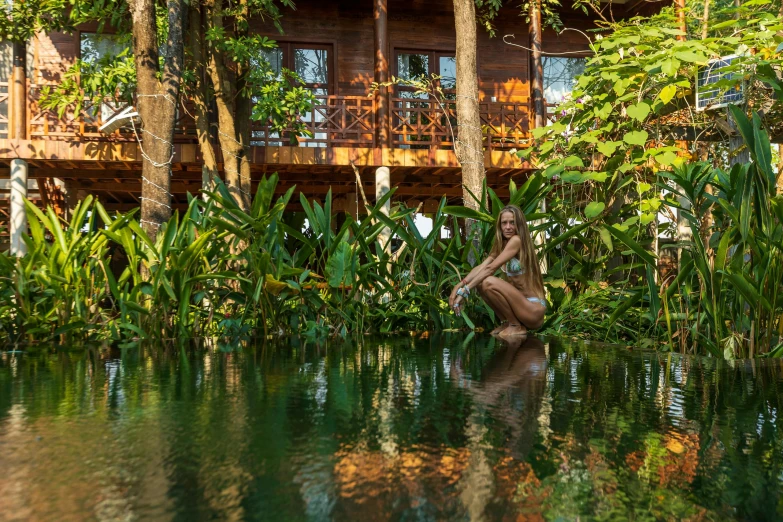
(489, 267)
(470, 277)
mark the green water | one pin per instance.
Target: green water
(445, 428)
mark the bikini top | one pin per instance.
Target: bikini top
(514, 268)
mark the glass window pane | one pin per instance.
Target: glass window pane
(560, 76)
(411, 66)
(96, 46)
(447, 69)
(274, 57)
(6, 53)
(312, 65)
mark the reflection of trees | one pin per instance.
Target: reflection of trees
(559, 73)
(312, 65)
(399, 428)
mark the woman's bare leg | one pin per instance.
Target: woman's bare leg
(511, 302)
(491, 301)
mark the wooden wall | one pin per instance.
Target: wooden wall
(348, 26)
(413, 25)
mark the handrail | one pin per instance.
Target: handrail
(333, 121)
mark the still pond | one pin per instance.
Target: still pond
(445, 428)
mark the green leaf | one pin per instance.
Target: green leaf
(633, 245)
(691, 57)
(573, 161)
(670, 67)
(636, 138)
(667, 93)
(468, 213)
(746, 287)
(606, 237)
(604, 111)
(594, 209)
(666, 158)
(607, 148)
(341, 266)
(638, 111)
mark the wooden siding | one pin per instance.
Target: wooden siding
(413, 25)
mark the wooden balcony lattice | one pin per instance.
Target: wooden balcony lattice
(334, 121)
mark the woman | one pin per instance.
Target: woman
(519, 301)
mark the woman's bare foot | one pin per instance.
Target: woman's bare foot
(513, 330)
(499, 329)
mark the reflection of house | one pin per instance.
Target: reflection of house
(339, 48)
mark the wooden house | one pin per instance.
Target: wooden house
(339, 47)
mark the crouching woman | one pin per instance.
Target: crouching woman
(518, 300)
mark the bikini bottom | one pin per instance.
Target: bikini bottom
(538, 300)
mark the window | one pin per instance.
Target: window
(6, 55)
(415, 64)
(94, 47)
(418, 120)
(560, 76)
(310, 61)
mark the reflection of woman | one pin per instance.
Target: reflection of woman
(512, 385)
(508, 399)
(518, 302)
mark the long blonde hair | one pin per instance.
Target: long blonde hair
(532, 278)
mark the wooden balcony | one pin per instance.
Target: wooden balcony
(334, 121)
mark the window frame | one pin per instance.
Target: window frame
(433, 64)
(581, 56)
(288, 46)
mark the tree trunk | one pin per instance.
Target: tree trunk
(224, 84)
(209, 170)
(157, 106)
(537, 84)
(705, 20)
(243, 113)
(468, 146)
(682, 26)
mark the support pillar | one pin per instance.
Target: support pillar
(380, 14)
(18, 213)
(382, 186)
(18, 93)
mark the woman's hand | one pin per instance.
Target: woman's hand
(454, 295)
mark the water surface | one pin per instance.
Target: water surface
(446, 428)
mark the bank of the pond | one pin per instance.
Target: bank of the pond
(449, 427)
(219, 270)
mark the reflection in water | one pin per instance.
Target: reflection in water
(441, 429)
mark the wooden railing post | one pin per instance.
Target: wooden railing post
(380, 14)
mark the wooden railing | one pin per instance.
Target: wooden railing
(47, 124)
(421, 123)
(333, 121)
(4, 106)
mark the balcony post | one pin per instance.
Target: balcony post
(536, 66)
(380, 14)
(18, 211)
(18, 92)
(382, 187)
